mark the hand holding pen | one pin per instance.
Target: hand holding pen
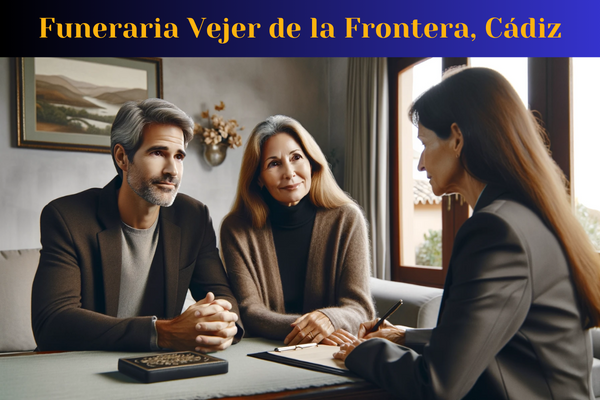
(386, 316)
(381, 328)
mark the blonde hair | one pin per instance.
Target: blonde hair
(324, 190)
(504, 144)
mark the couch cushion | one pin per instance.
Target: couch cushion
(17, 269)
(596, 378)
(595, 332)
(421, 303)
(595, 335)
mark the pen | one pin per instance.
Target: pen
(386, 316)
(298, 346)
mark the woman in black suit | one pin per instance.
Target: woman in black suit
(524, 280)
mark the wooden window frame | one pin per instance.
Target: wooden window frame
(550, 97)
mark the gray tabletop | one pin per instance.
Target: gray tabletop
(94, 375)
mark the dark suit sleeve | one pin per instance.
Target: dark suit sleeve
(209, 273)
(485, 305)
(416, 339)
(58, 321)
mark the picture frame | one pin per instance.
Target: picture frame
(70, 103)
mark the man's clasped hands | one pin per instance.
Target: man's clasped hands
(208, 325)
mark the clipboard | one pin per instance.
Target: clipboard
(316, 357)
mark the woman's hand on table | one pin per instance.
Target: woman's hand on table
(338, 338)
(309, 328)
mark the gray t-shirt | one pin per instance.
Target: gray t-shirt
(138, 248)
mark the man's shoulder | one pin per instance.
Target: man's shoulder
(184, 200)
(78, 212)
(77, 201)
(83, 208)
(184, 204)
(89, 198)
(186, 210)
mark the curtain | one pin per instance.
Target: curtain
(366, 176)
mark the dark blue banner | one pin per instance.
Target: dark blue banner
(304, 28)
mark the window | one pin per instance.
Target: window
(586, 142)
(407, 82)
(419, 210)
(543, 84)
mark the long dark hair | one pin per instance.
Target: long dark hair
(504, 144)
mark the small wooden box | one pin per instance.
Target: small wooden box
(174, 365)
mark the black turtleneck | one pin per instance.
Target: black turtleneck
(292, 231)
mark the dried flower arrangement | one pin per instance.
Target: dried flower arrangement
(222, 131)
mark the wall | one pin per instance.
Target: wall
(308, 89)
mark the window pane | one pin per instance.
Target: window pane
(420, 210)
(586, 144)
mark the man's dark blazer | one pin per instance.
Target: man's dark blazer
(76, 287)
(509, 325)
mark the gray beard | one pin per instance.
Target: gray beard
(149, 192)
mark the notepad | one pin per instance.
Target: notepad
(314, 357)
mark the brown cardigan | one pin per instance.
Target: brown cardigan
(337, 277)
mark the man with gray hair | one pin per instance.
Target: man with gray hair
(116, 263)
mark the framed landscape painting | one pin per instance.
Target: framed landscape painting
(70, 103)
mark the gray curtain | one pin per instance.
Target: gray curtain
(366, 160)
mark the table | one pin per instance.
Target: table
(94, 375)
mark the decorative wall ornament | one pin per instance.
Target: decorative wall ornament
(218, 135)
(215, 154)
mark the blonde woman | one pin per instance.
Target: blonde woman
(295, 246)
(523, 282)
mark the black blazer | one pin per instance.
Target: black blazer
(509, 325)
(76, 288)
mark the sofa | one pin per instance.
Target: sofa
(17, 269)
